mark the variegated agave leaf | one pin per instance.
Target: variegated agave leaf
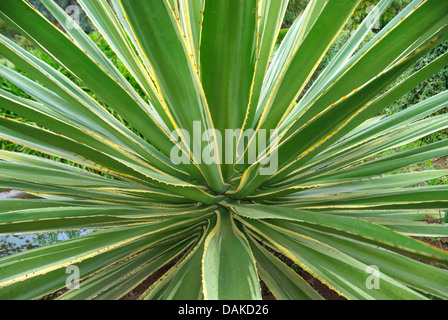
(330, 205)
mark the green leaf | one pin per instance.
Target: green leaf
(226, 250)
(283, 282)
(175, 76)
(354, 228)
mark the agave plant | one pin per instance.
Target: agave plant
(216, 228)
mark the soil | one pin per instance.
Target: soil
(321, 288)
(441, 243)
(441, 163)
